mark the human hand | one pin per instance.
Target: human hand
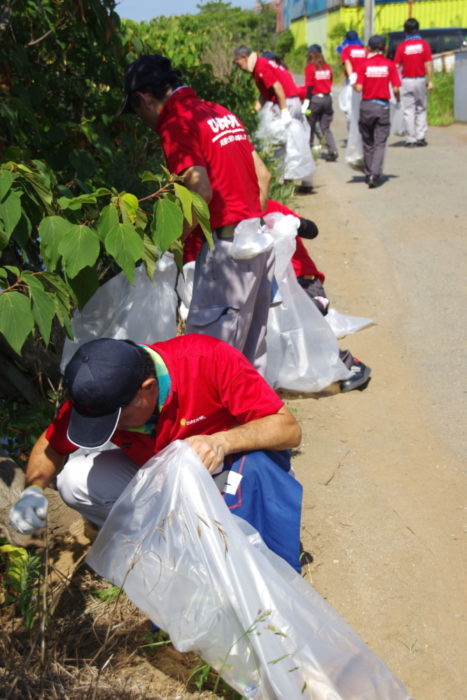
(285, 117)
(210, 449)
(30, 512)
(429, 85)
(352, 78)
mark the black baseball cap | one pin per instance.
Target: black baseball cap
(315, 48)
(146, 70)
(102, 376)
(376, 42)
(269, 55)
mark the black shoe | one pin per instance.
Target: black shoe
(360, 377)
(372, 181)
(367, 179)
(332, 157)
(303, 189)
(421, 142)
(410, 144)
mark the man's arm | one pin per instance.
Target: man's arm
(429, 74)
(196, 179)
(264, 179)
(279, 431)
(280, 94)
(44, 463)
(396, 92)
(348, 68)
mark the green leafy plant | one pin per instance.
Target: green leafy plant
(107, 595)
(23, 577)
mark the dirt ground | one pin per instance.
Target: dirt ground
(383, 470)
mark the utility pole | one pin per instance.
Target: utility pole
(369, 19)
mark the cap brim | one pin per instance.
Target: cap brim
(92, 431)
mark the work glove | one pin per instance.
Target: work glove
(30, 512)
(353, 78)
(286, 119)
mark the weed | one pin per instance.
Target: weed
(107, 595)
(22, 581)
(441, 100)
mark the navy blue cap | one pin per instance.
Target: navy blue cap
(376, 42)
(270, 55)
(315, 48)
(351, 34)
(102, 376)
(146, 70)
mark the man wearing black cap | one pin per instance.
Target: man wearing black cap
(143, 397)
(208, 145)
(353, 54)
(414, 57)
(374, 76)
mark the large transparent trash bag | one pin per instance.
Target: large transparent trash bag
(250, 240)
(397, 118)
(302, 350)
(144, 311)
(271, 130)
(208, 580)
(354, 147)
(185, 282)
(343, 324)
(299, 163)
(345, 99)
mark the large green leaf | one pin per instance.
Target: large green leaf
(52, 230)
(43, 307)
(10, 212)
(167, 224)
(79, 248)
(186, 198)
(84, 285)
(149, 256)
(16, 319)
(107, 221)
(202, 214)
(59, 288)
(126, 246)
(6, 181)
(128, 205)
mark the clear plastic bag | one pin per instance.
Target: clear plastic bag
(144, 311)
(302, 350)
(206, 578)
(299, 164)
(342, 324)
(345, 99)
(354, 148)
(250, 240)
(185, 282)
(271, 129)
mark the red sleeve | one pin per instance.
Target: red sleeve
(273, 206)
(344, 54)
(361, 73)
(310, 74)
(57, 431)
(244, 392)
(266, 72)
(427, 55)
(180, 144)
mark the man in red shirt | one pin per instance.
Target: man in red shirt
(374, 77)
(353, 54)
(413, 57)
(142, 398)
(208, 145)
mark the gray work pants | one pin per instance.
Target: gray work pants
(374, 126)
(321, 113)
(231, 299)
(413, 99)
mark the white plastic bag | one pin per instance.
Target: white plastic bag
(342, 324)
(345, 99)
(144, 311)
(302, 350)
(299, 163)
(354, 148)
(250, 240)
(208, 580)
(397, 118)
(271, 129)
(185, 288)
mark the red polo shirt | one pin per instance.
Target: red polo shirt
(266, 73)
(196, 132)
(411, 55)
(213, 388)
(355, 54)
(375, 74)
(319, 79)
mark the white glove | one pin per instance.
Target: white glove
(286, 119)
(30, 512)
(353, 78)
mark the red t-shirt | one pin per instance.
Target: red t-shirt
(320, 79)
(301, 260)
(196, 132)
(412, 55)
(375, 74)
(355, 54)
(213, 388)
(266, 73)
